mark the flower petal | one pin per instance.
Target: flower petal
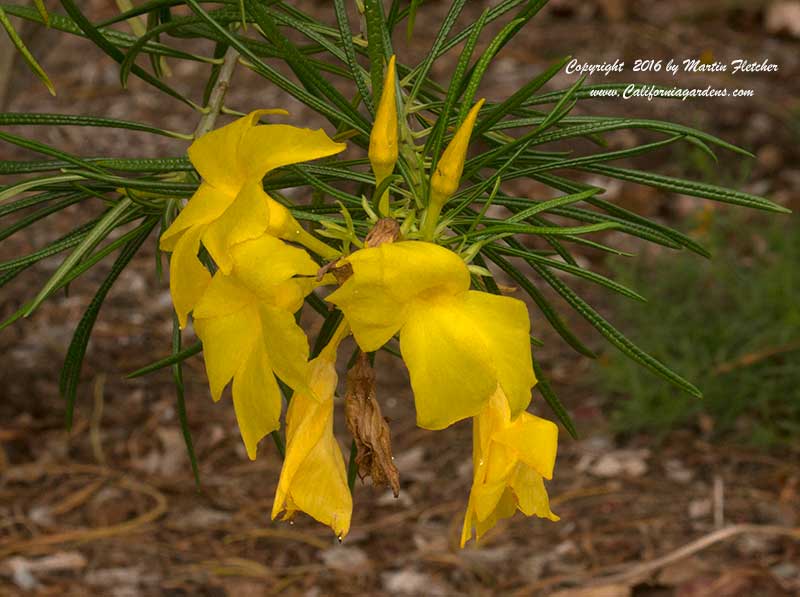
(313, 478)
(448, 362)
(265, 262)
(387, 278)
(227, 342)
(535, 441)
(225, 295)
(207, 204)
(256, 398)
(531, 494)
(504, 324)
(245, 219)
(287, 346)
(217, 155)
(188, 278)
(269, 146)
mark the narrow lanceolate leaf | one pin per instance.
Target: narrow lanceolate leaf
(177, 377)
(421, 72)
(572, 269)
(39, 119)
(106, 224)
(552, 400)
(31, 218)
(689, 187)
(350, 53)
(115, 53)
(177, 357)
(70, 373)
(544, 306)
(25, 53)
(299, 63)
(29, 185)
(77, 271)
(514, 101)
(613, 335)
(377, 38)
(433, 145)
(480, 68)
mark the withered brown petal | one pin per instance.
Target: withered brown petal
(385, 230)
(368, 427)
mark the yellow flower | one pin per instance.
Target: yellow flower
(447, 177)
(230, 206)
(313, 478)
(510, 459)
(458, 344)
(249, 333)
(383, 138)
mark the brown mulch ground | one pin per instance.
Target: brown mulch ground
(111, 508)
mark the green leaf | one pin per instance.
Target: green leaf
(70, 373)
(481, 66)
(40, 119)
(23, 50)
(26, 221)
(514, 101)
(177, 377)
(116, 54)
(350, 53)
(176, 357)
(300, 65)
(572, 269)
(28, 185)
(613, 335)
(421, 72)
(544, 306)
(688, 187)
(552, 400)
(433, 145)
(109, 221)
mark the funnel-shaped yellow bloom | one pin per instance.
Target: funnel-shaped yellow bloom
(230, 206)
(458, 344)
(313, 478)
(447, 177)
(383, 138)
(249, 333)
(510, 459)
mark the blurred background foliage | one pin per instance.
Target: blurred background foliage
(729, 323)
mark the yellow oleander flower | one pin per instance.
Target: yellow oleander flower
(313, 478)
(230, 206)
(511, 457)
(447, 177)
(246, 322)
(458, 344)
(383, 147)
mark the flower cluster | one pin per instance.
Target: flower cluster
(468, 352)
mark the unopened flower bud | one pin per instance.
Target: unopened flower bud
(383, 138)
(446, 178)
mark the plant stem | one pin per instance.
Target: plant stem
(217, 97)
(429, 221)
